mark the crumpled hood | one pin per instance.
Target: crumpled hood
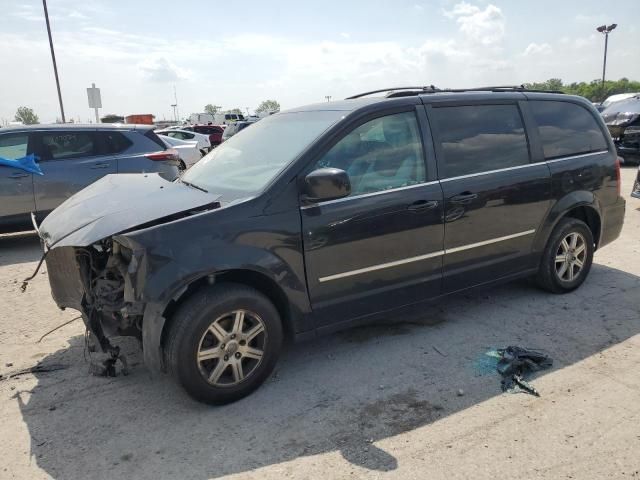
(120, 202)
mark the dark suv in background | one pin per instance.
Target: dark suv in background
(334, 214)
(623, 120)
(71, 157)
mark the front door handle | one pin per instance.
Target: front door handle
(99, 165)
(422, 205)
(19, 175)
(463, 198)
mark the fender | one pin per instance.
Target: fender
(268, 245)
(578, 198)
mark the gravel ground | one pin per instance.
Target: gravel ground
(410, 398)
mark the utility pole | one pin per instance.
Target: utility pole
(53, 57)
(605, 30)
(176, 110)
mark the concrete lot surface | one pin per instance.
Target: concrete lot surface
(381, 401)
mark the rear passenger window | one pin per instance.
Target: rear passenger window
(379, 155)
(480, 138)
(566, 129)
(61, 145)
(115, 142)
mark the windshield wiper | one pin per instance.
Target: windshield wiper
(194, 186)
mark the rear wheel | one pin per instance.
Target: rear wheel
(224, 342)
(182, 167)
(567, 258)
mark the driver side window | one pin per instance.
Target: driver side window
(382, 154)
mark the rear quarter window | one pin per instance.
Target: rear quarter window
(115, 142)
(566, 129)
(151, 135)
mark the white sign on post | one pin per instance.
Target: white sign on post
(95, 101)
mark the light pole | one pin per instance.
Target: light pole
(605, 30)
(53, 57)
(175, 115)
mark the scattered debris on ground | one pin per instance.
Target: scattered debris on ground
(58, 328)
(39, 368)
(513, 364)
(517, 362)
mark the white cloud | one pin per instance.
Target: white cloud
(485, 26)
(345, 35)
(538, 49)
(162, 70)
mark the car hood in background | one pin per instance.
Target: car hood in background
(117, 203)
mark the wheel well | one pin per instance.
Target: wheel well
(589, 216)
(253, 279)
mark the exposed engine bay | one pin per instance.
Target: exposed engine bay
(100, 287)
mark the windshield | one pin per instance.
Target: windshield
(242, 166)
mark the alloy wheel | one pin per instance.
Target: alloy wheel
(231, 348)
(570, 256)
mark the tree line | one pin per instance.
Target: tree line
(593, 91)
(265, 106)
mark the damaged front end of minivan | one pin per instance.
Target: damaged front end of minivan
(95, 269)
(100, 281)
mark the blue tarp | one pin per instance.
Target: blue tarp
(28, 164)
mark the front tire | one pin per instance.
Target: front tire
(224, 342)
(567, 257)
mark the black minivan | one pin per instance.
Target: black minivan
(332, 214)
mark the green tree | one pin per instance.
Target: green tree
(212, 109)
(112, 118)
(26, 115)
(270, 106)
(235, 110)
(594, 90)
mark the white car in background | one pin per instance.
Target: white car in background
(188, 150)
(204, 144)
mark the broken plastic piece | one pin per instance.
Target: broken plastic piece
(515, 363)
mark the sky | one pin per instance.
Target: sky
(238, 53)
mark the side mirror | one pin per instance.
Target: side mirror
(326, 184)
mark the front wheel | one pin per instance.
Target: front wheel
(567, 258)
(224, 342)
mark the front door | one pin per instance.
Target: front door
(380, 247)
(70, 160)
(16, 185)
(495, 197)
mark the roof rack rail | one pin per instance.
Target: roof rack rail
(407, 91)
(422, 89)
(500, 88)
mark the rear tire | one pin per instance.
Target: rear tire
(224, 342)
(182, 167)
(567, 257)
